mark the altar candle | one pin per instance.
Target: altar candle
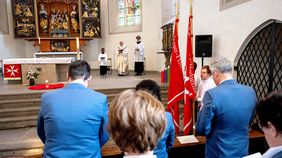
(46, 84)
(77, 44)
(39, 40)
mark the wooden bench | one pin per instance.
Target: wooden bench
(191, 149)
(110, 150)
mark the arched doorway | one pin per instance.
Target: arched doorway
(259, 60)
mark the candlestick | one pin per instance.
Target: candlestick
(39, 40)
(46, 84)
(77, 44)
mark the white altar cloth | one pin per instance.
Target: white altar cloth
(77, 55)
(52, 69)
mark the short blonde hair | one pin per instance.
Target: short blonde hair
(136, 121)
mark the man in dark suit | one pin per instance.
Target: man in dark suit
(269, 110)
(226, 113)
(72, 120)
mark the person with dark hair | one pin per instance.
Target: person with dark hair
(194, 66)
(205, 84)
(136, 123)
(151, 87)
(139, 56)
(269, 111)
(167, 140)
(197, 79)
(103, 62)
(226, 114)
(72, 120)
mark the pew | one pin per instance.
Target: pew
(197, 150)
(191, 150)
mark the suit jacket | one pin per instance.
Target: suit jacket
(71, 122)
(278, 155)
(224, 119)
(167, 139)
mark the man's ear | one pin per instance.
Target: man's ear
(68, 77)
(89, 78)
(274, 132)
(87, 81)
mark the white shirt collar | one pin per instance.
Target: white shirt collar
(272, 151)
(148, 154)
(79, 81)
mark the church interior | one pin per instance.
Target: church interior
(40, 38)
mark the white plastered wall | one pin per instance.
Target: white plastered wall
(10, 47)
(229, 27)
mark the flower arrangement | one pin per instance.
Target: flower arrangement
(33, 74)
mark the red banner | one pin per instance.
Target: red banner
(12, 71)
(176, 84)
(189, 79)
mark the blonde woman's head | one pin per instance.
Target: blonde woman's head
(136, 121)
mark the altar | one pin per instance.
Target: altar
(51, 69)
(76, 55)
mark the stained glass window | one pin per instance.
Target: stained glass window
(129, 12)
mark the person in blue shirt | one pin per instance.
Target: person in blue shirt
(72, 120)
(167, 139)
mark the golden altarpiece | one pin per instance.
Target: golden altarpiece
(59, 28)
(57, 25)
